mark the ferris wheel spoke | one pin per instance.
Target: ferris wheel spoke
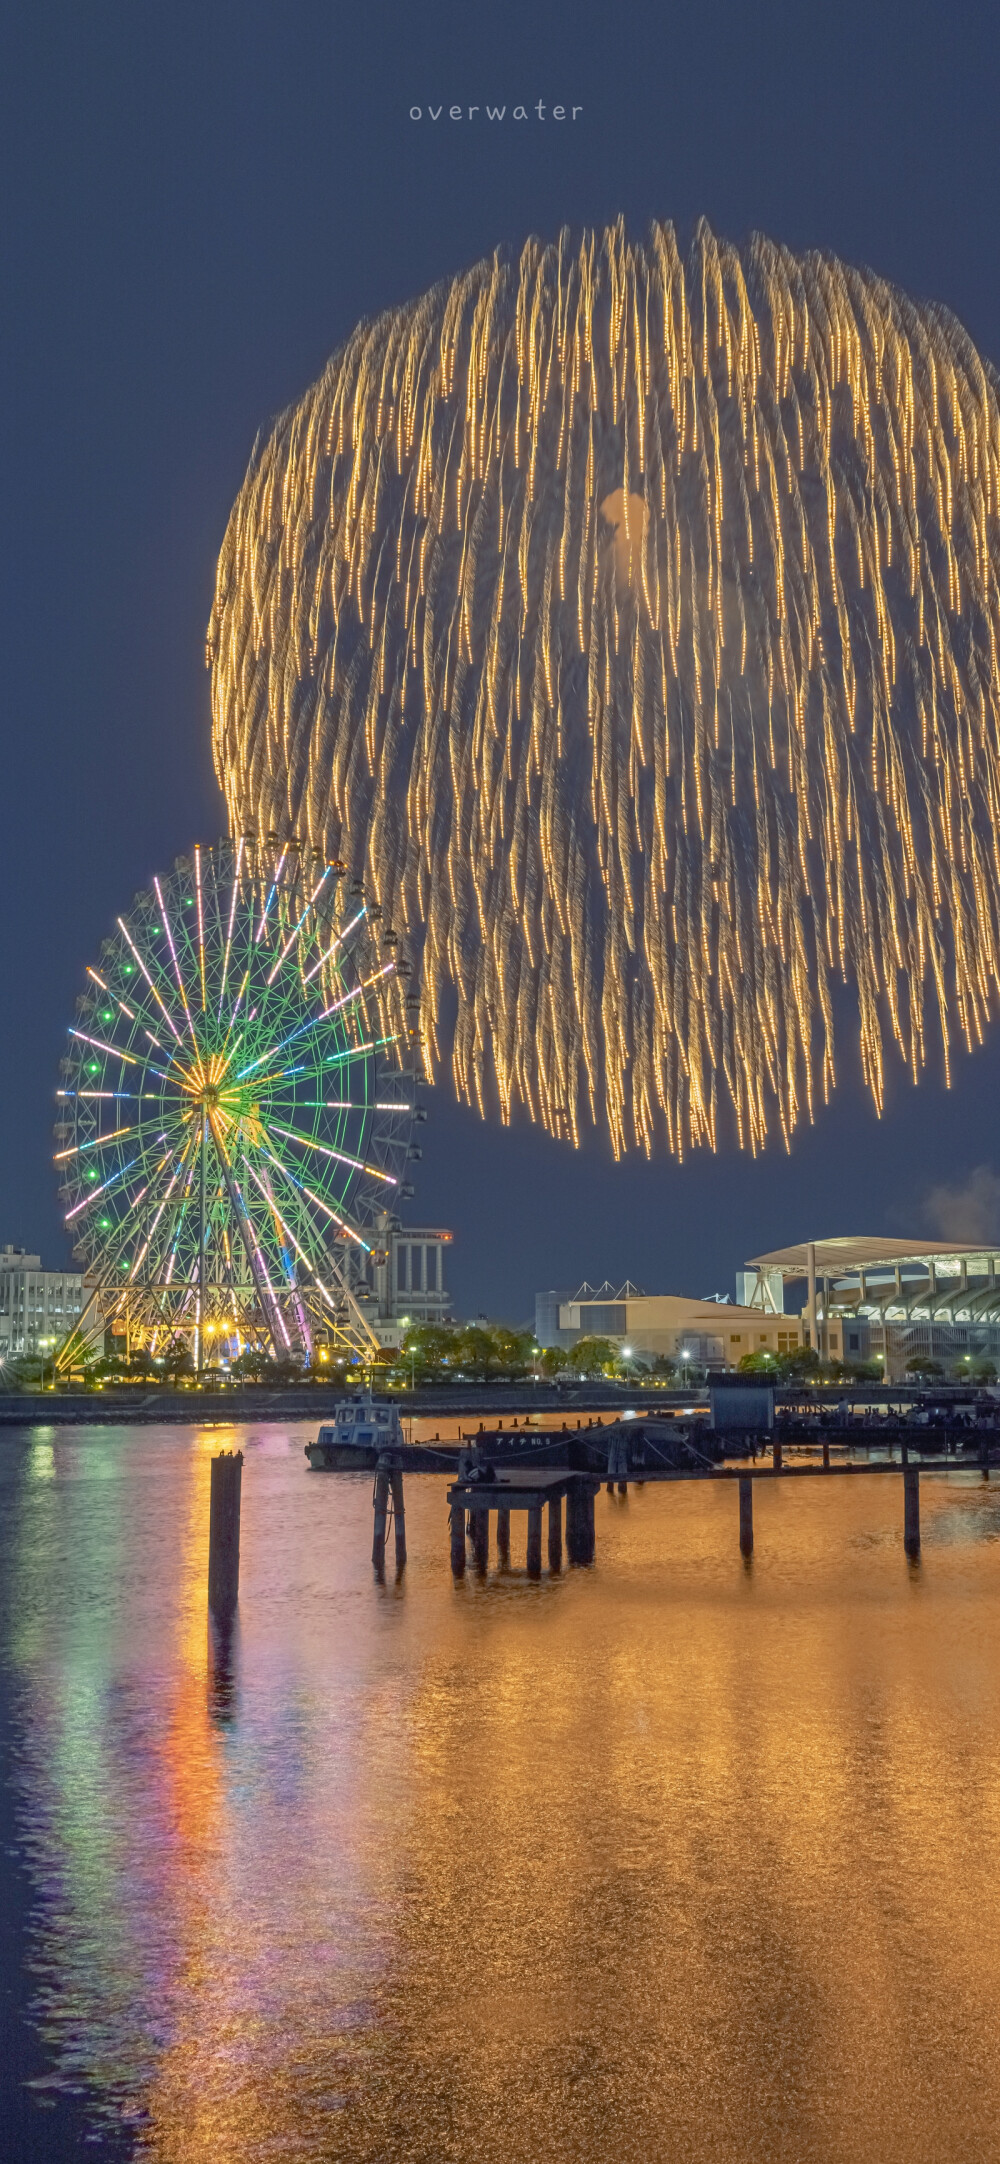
(337, 1218)
(177, 967)
(267, 906)
(304, 1028)
(250, 1238)
(322, 1149)
(201, 926)
(340, 941)
(297, 927)
(232, 919)
(138, 1013)
(283, 1221)
(176, 1177)
(131, 1059)
(164, 1010)
(96, 1142)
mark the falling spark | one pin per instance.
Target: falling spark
(628, 623)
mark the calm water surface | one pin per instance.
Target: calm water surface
(669, 1859)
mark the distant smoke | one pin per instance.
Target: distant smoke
(970, 1211)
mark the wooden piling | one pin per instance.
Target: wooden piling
(776, 1454)
(380, 1500)
(535, 1540)
(555, 1532)
(503, 1537)
(573, 1540)
(746, 1514)
(457, 1516)
(911, 1511)
(826, 1453)
(398, 1517)
(580, 1523)
(480, 1526)
(224, 1532)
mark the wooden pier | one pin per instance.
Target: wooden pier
(484, 1491)
(473, 1500)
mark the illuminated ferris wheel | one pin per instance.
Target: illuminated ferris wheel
(236, 1107)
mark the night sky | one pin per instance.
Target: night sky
(198, 205)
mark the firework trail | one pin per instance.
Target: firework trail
(629, 622)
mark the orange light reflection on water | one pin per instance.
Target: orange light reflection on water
(674, 1858)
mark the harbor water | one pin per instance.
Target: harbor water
(674, 1858)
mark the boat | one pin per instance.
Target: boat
(354, 1440)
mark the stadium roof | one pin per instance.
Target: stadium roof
(842, 1257)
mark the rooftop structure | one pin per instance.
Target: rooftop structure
(896, 1299)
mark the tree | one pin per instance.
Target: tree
(802, 1360)
(758, 1363)
(663, 1368)
(429, 1353)
(177, 1360)
(552, 1360)
(592, 1355)
(921, 1365)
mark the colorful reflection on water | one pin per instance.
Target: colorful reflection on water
(672, 1859)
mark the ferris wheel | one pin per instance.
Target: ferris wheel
(236, 1108)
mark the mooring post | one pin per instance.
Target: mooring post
(503, 1537)
(224, 1532)
(398, 1517)
(911, 1511)
(984, 1454)
(826, 1453)
(380, 1500)
(535, 1540)
(622, 1466)
(746, 1514)
(555, 1532)
(457, 1516)
(580, 1523)
(480, 1525)
(776, 1454)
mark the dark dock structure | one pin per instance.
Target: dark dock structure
(483, 1490)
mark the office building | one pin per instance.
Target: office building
(36, 1305)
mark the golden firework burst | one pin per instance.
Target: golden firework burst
(629, 622)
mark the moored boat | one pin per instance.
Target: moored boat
(361, 1429)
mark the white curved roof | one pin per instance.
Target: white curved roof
(843, 1256)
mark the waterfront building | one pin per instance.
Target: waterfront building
(705, 1333)
(403, 1280)
(35, 1304)
(894, 1301)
